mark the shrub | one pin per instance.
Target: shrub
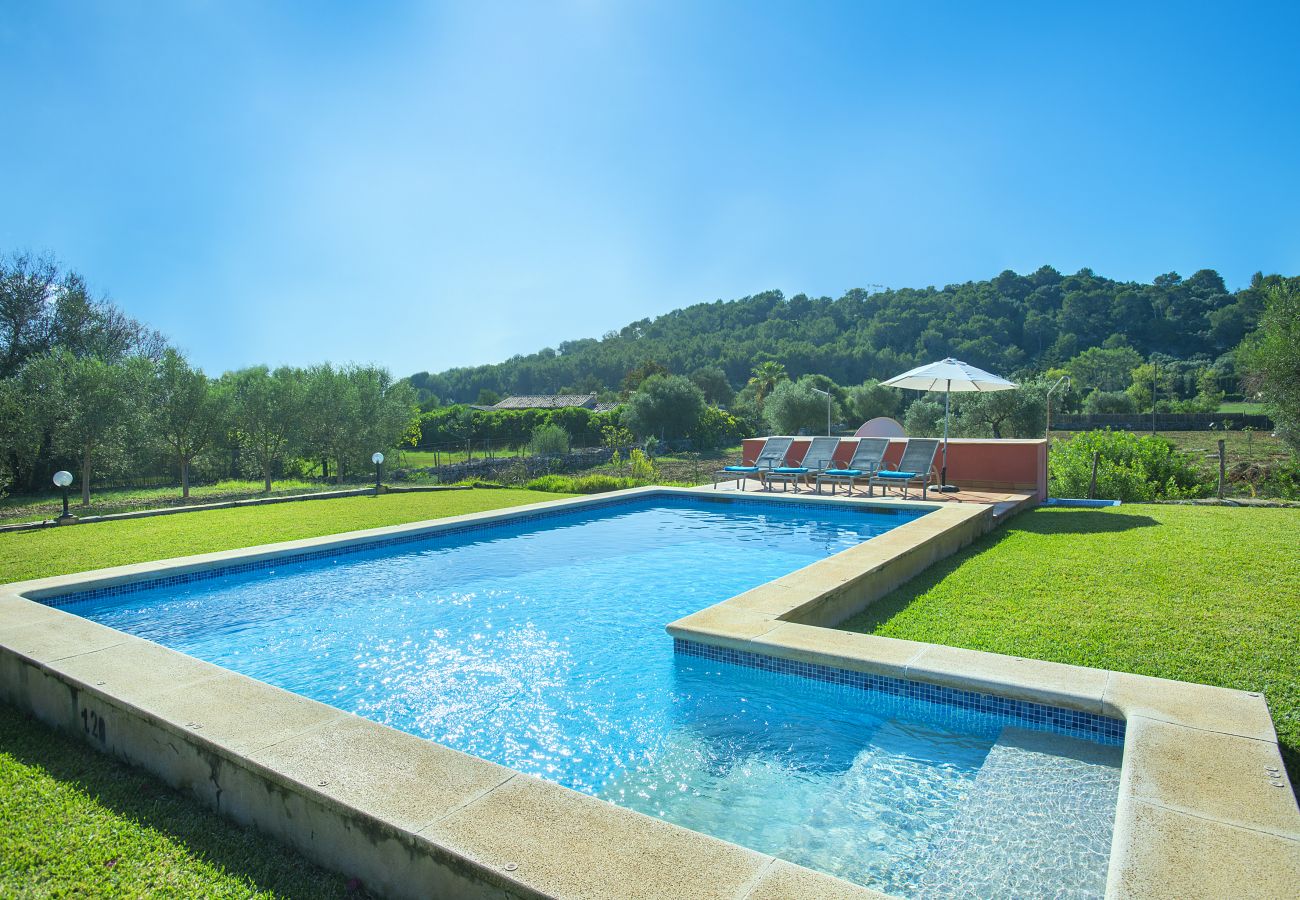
(718, 428)
(1130, 468)
(1283, 480)
(643, 469)
(457, 424)
(549, 440)
(666, 405)
(580, 484)
(1101, 402)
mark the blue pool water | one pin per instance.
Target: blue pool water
(541, 645)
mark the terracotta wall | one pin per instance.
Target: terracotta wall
(1006, 465)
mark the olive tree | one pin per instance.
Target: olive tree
(668, 406)
(266, 411)
(184, 411)
(88, 406)
(795, 405)
(349, 412)
(871, 399)
(1019, 413)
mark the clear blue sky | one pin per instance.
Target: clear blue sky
(431, 185)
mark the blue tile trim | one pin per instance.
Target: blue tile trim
(146, 583)
(1035, 716)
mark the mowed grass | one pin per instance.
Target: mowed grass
(77, 548)
(76, 823)
(1193, 593)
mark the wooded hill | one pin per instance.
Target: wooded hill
(1011, 324)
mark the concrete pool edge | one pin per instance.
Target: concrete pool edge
(360, 796)
(1198, 813)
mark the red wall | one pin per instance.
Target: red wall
(990, 464)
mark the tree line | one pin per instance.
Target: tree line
(85, 387)
(1012, 324)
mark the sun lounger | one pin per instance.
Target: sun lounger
(817, 459)
(917, 465)
(769, 456)
(868, 456)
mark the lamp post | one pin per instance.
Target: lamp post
(1064, 379)
(827, 394)
(378, 460)
(62, 479)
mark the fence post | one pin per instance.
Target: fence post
(1092, 483)
(1222, 466)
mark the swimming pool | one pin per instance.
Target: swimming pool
(540, 645)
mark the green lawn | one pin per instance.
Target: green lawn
(76, 548)
(74, 822)
(1204, 594)
(77, 823)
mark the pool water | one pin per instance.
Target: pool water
(540, 645)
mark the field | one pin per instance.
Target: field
(683, 468)
(1204, 594)
(28, 508)
(419, 459)
(1243, 408)
(1249, 454)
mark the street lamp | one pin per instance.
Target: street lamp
(62, 479)
(378, 460)
(828, 408)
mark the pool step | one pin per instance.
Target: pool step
(1033, 810)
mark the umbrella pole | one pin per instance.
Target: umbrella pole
(944, 486)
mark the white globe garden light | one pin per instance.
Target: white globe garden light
(378, 460)
(63, 479)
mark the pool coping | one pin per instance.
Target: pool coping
(1197, 813)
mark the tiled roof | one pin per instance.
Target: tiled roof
(548, 401)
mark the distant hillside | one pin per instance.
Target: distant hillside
(1009, 324)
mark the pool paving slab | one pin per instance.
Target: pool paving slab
(1199, 812)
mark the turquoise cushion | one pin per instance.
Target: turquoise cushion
(846, 472)
(898, 474)
(789, 470)
(740, 468)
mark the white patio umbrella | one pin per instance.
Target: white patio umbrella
(949, 375)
